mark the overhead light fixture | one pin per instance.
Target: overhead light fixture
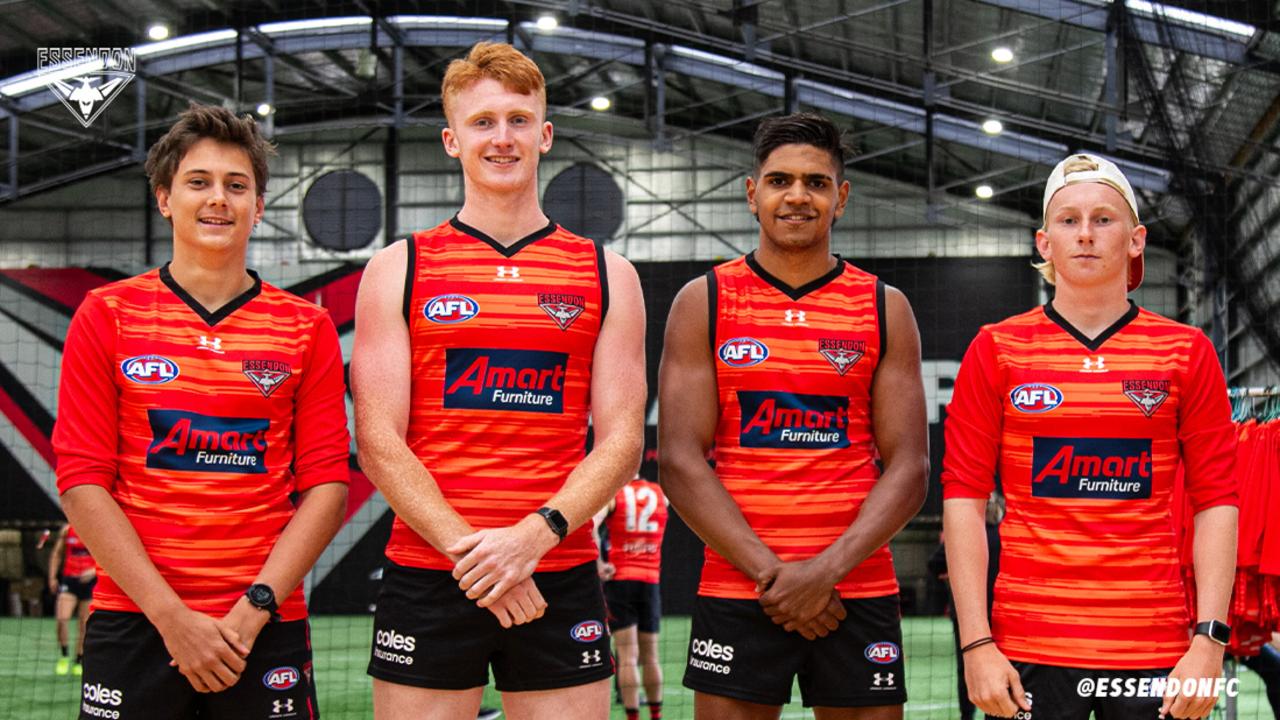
(265, 109)
(984, 192)
(548, 22)
(600, 103)
(992, 127)
(158, 31)
(1002, 55)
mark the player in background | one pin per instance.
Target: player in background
(202, 452)
(803, 372)
(71, 581)
(635, 521)
(482, 346)
(1084, 408)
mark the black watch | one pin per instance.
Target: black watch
(1218, 632)
(263, 597)
(555, 521)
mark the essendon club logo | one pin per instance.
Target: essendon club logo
(842, 354)
(188, 441)
(563, 309)
(1148, 395)
(267, 375)
(792, 420)
(495, 379)
(1091, 468)
(743, 352)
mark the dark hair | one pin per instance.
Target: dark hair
(198, 122)
(800, 129)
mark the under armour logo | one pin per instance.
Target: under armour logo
(879, 679)
(794, 317)
(508, 272)
(282, 706)
(214, 345)
(1097, 364)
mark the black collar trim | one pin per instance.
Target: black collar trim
(1105, 335)
(785, 289)
(503, 250)
(217, 316)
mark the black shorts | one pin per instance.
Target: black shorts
(127, 675)
(74, 585)
(737, 651)
(632, 602)
(1056, 693)
(426, 633)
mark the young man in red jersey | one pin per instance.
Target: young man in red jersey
(202, 453)
(804, 373)
(481, 347)
(1085, 408)
(71, 581)
(635, 521)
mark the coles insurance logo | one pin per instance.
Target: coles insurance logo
(450, 309)
(281, 678)
(1035, 398)
(587, 631)
(149, 369)
(743, 352)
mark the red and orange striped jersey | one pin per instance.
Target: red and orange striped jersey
(636, 525)
(201, 425)
(1086, 436)
(793, 443)
(502, 340)
(78, 558)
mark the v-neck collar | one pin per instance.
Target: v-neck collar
(1103, 336)
(785, 289)
(217, 316)
(505, 251)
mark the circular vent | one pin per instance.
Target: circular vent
(342, 210)
(585, 200)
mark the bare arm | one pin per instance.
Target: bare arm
(498, 558)
(688, 409)
(55, 559)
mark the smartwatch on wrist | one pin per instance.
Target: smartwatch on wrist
(555, 521)
(263, 597)
(1218, 632)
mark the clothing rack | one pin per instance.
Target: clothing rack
(1241, 392)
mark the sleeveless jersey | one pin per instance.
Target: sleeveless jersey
(78, 558)
(201, 425)
(636, 526)
(1086, 436)
(793, 443)
(502, 340)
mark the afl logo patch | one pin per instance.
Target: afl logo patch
(149, 369)
(1035, 398)
(587, 631)
(450, 309)
(743, 352)
(882, 653)
(281, 678)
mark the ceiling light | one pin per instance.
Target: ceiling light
(265, 109)
(1002, 55)
(158, 31)
(984, 192)
(600, 103)
(548, 22)
(992, 127)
